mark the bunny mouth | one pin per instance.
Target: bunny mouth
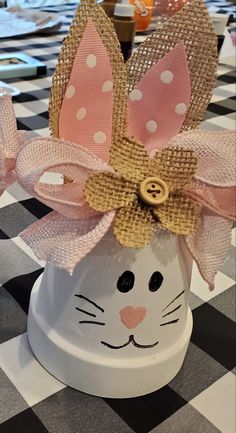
(132, 341)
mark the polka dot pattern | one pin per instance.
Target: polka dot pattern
(152, 153)
(86, 118)
(136, 95)
(107, 86)
(99, 137)
(70, 92)
(81, 113)
(91, 61)
(151, 126)
(167, 77)
(181, 108)
(164, 94)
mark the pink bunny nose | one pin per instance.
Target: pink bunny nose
(131, 317)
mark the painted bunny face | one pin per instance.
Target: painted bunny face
(123, 301)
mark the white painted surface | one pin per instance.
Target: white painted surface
(83, 361)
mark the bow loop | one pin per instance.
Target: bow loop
(42, 156)
(11, 141)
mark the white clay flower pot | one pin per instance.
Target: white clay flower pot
(120, 324)
(115, 328)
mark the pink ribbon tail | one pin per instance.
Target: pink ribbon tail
(221, 201)
(65, 242)
(213, 188)
(209, 245)
(11, 141)
(216, 155)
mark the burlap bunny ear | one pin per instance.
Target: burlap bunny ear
(92, 43)
(193, 26)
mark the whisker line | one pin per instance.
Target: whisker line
(169, 323)
(178, 296)
(91, 322)
(85, 312)
(91, 302)
(172, 311)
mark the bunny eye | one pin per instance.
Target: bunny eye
(155, 281)
(126, 282)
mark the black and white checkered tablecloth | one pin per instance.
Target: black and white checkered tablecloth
(223, 7)
(200, 399)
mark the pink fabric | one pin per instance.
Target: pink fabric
(220, 200)
(10, 142)
(213, 188)
(8, 131)
(215, 152)
(7, 176)
(64, 242)
(43, 155)
(210, 244)
(72, 230)
(159, 102)
(86, 112)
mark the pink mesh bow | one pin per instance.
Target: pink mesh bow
(214, 189)
(72, 229)
(70, 232)
(10, 142)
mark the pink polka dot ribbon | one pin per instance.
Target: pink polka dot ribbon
(86, 112)
(159, 102)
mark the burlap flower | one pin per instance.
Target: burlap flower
(145, 192)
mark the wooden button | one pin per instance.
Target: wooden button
(153, 191)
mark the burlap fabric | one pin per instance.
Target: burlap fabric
(193, 26)
(135, 221)
(61, 76)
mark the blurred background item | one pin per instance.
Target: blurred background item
(144, 10)
(6, 89)
(220, 22)
(150, 13)
(41, 3)
(109, 6)
(125, 25)
(17, 21)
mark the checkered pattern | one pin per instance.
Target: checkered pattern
(199, 400)
(222, 7)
